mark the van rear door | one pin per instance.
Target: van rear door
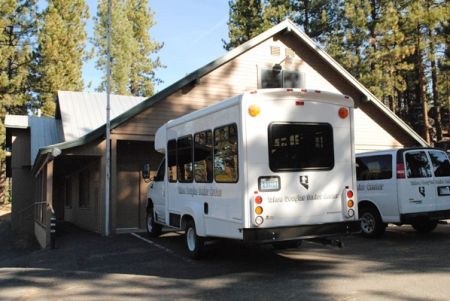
(416, 192)
(441, 172)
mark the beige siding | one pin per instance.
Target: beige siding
(241, 74)
(370, 136)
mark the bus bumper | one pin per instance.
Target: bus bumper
(268, 235)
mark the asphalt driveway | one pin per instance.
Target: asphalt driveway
(85, 266)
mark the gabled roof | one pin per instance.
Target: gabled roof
(43, 130)
(83, 112)
(284, 26)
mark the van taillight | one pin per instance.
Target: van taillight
(400, 171)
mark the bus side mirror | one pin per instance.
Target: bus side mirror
(146, 172)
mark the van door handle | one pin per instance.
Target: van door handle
(205, 208)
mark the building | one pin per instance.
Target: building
(69, 176)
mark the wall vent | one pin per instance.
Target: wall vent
(275, 50)
(290, 53)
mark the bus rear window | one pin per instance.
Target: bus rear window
(300, 146)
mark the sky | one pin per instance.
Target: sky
(192, 33)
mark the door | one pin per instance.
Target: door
(128, 199)
(441, 173)
(416, 194)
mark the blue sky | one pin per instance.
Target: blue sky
(192, 33)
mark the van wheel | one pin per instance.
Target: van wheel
(283, 245)
(425, 226)
(371, 224)
(194, 243)
(153, 229)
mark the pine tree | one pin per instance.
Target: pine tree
(17, 28)
(132, 69)
(142, 77)
(245, 22)
(315, 17)
(276, 11)
(59, 57)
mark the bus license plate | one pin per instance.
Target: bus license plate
(271, 183)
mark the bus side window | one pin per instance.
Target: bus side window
(172, 160)
(184, 159)
(203, 157)
(226, 154)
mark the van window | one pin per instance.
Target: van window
(184, 159)
(417, 165)
(374, 167)
(300, 146)
(203, 157)
(441, 164)
(172, 160)
(226, 154)
(161, 172)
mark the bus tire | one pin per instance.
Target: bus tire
(194, 243)
(153, 229)
(371, 224)
(289, 244)
(424, 226)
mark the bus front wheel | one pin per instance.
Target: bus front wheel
(153, 229)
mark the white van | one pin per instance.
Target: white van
(268, 166)
(403, 186)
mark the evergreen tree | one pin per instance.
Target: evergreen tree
(314, 17)
(245, 22)
(17, 27)
(132, 69)
(142, 77)
(276, 11)
(59, 57)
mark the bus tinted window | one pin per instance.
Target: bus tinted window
(300, 146)
(417, 165)
(226, 154)
(374, 168)
(184, 159)
(441, 164)
(172, 160)
(203, 157)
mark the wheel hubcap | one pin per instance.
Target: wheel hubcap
(367, 223)
(190, 239)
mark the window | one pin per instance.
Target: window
(274, 78)
(83, 192)
(68, 192)
(226, 154)
(161, 172)
(184, 159)
(374, 168)
(300, 146)
(203, 157)
(417, 165)
(441, 164)
(172, 160)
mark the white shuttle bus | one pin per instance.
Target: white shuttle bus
(268, 166)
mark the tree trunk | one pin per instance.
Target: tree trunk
(438, 123)
(422, 89)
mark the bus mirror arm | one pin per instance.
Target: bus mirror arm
(146, 172)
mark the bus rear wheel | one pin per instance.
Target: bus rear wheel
(194, 243)
(371, 224)
(425, 226)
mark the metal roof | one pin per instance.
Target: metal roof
(44, 131)
(16, 121)
(83, 112)
(285, 26)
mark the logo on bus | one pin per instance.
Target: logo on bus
(304, 180)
